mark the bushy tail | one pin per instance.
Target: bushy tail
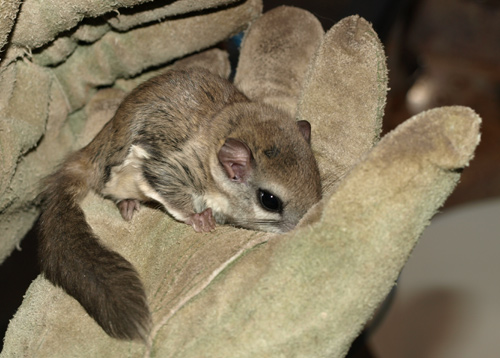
(71, 256)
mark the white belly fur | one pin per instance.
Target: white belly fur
(125, 179)
(127, 182)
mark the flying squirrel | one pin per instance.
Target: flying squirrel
(191, 141)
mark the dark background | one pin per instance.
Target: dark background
(439, 52)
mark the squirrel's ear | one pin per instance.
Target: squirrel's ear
(305, 129)
(235, 157)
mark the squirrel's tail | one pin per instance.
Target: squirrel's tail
(72, 256)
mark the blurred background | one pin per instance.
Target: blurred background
(447, 301)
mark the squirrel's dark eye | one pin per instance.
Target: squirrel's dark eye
(269, 201)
